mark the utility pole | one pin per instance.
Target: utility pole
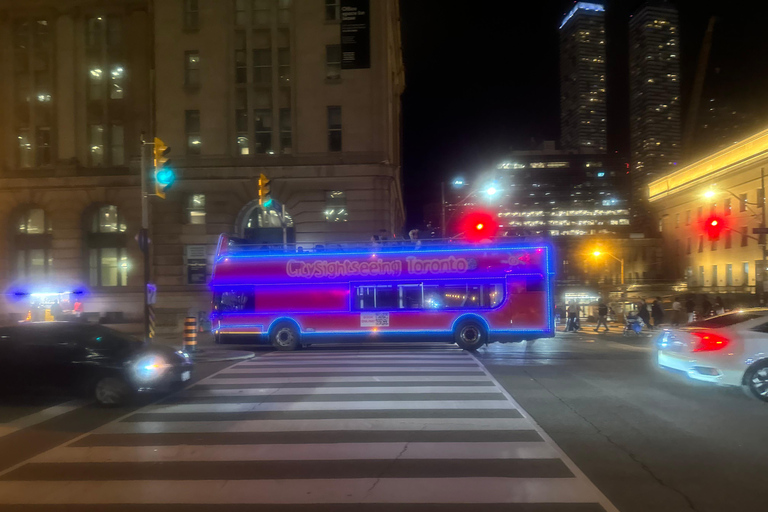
(763, 237)
(442, 210)
(144, 233)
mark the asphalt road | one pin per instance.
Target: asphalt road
(401, 428)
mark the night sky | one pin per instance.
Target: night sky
(483, 79)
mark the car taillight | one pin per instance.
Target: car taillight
(708, 341)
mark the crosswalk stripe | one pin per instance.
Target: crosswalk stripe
(280, 452)
(356, 369)
(313, 491)
(40, 416)
(337, 390)
(357, 378)
(316, 425)
(328, 406)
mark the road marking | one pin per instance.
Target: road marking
(341, 391)
(40, 416)
(353, 369)
(328, 406)
(328, 379)
(279, 452)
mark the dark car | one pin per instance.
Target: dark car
(87, 359)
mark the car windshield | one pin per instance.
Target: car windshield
(728, 319)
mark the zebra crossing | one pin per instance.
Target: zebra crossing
(317, 430)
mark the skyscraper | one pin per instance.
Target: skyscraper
(582, 78)
(654, 53)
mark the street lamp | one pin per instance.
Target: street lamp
(597, 254)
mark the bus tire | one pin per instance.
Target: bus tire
(285, 336)
(470, 335)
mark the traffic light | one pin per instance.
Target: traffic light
(478, 226)
(164, 175)
(265, 194)
(714, 226)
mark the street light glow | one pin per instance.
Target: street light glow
(458, 182)
(709, 194)
(597, 253)
(492, 190)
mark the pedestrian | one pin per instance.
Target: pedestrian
(690, 308)
(677, 312)
(602, 316)
(719, 306)
(375, 242)
(706, 307)
(573, 315)
(414, 236)
(657, 310)
(558, 314)
(642, 312)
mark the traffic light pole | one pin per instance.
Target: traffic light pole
(144, 233)
(763, 239)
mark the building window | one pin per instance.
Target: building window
(196, 209)
(32, 244)
(262, 66)
(43, 145)
(332, 10)
(727, 206)
(263, 131)
(728, 240)
(25, 156)
(261, 12)
(742, 202)
(107, 253)
(116, 82)
(677, 220)
(744, 236)
(191, 15)
(241, 72)
(117, 144)
(701, 275)
(701, 243)
(729, 275)
(284, 65)
(333, 61)
(192, 69)
(241, 13)
(700, 213)
(336, 206)
(286, 135)
(745, 274)
(714, 245)
(688, 246)
(284, 11)
(334, 129)
(688, 218)
(192, 131)
(96, 144)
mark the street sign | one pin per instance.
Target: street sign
(151, 293)
(760, 231)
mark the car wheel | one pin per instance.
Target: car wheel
(285, 336)
(470, 335)
(756, 381)
(111, 391)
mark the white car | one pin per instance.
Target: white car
(729, 349)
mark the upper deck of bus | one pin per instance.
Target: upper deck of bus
(240, 263)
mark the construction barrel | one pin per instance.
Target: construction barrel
(190, 334)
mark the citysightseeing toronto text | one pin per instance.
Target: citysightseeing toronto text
(346, 268)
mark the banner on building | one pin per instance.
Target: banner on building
(355, 34)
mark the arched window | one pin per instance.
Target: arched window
(32, 244)
(106, 245)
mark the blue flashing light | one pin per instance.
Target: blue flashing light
(601, 175)
(165, 177)
(582, 5)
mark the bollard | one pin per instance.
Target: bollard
(190, 334)
(151, 321)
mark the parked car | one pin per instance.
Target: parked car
(729, 349)
(87, 359)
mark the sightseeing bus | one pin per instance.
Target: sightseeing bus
(469, 294)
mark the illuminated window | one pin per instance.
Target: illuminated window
(727, 206)
(196, 209)
(742, 202)
(96, 144)
(263, 131)
(25, 155)
(192, 131)
(241, 122)
(334, 129)
(336, 206)
(192, 69)
(333, 61)
(457, 295)
(32, 243)
(332, 10)
(191, 15)
(106, 243)
(116, 82)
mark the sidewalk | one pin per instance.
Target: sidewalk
(206, 350)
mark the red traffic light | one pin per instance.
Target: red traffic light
(713, 226)
(479, 226)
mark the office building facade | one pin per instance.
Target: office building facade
(237, 89)
(582, 78)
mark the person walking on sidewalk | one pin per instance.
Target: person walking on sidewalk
(642, 312)
(573, 315)
(677, 312)
(690, 308)
(602, 316)
(657, 310)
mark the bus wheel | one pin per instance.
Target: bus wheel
(470, 335)
(285, 336)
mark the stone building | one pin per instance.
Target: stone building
(237, 88)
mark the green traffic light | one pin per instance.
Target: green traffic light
(165, 177)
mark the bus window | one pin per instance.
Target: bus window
(234, 301)
(375, 297)
(428, 296)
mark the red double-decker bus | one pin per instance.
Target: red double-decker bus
(462, 293)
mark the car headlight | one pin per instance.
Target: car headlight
(150, 367)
